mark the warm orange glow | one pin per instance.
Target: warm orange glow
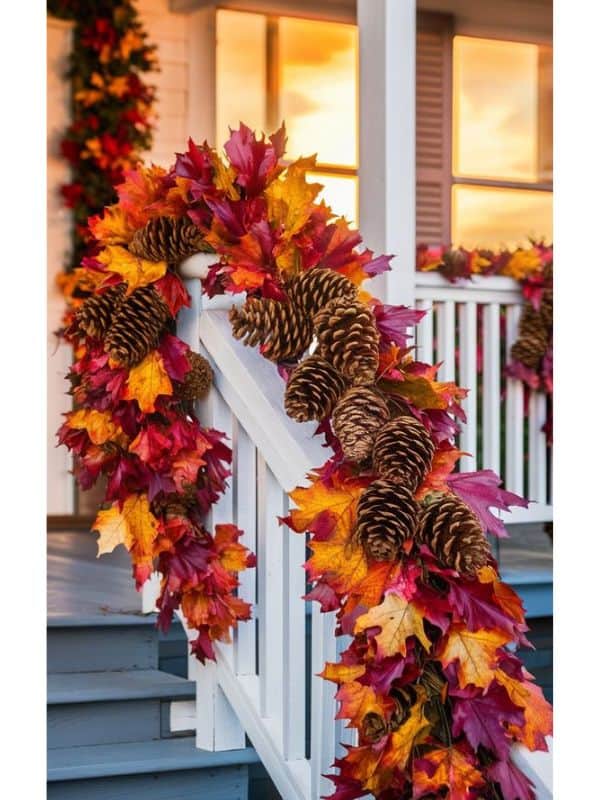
(340, 193)
(490, 217)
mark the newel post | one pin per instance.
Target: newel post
(387, 90)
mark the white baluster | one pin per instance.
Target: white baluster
(537, 448)
(270, 564)
(425, 332)
(446, 340)
(294, 643)
(514, 411)
(491, 387)
(468, 378)
(323, 704)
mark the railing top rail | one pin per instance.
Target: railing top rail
(254, 391)
(492, 283)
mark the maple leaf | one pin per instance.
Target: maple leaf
(290, 197)
(481, 490)
(147, 381)
(393, 323)
(135, 271)
(515, 785)
(476, 652)
(234, 557)
(170, 287)
(98, 425)
(255, 162)
(342, 673)
(338, 498)
(482, 605)
(446, 767)
(112, 227)
(335, 558)
(356, 700)
(537, 711)
(398, 619)
(436, 480)
(142, 187)
(484, 718)
(134, 526)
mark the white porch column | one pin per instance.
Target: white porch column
(387, 88)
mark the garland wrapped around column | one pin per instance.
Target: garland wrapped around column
(111, 107)
(398, 540)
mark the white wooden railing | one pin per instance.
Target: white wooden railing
(463, 329)
(265, 684)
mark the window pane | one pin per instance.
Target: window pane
(502, 96)
(317, 89)
(241, 72)
(340, 193)
(488, 217)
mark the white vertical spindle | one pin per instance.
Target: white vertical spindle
(294, 643)
(270, 566)
(514, 412)
(491, 387)
(537, 448)
(468, 378)
(244, 498)
(446, 340)
(322, 713)
(424, 332)
(343, 734)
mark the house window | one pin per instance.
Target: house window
(304, 72)
(502, 142)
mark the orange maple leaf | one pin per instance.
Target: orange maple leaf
(444, 462)
(339, 498)
(451, 769)
(134, 526)
(342, 673)
(147, 380)
(290, 198)
(357, 700)
(398, 619)
(476, 652)
(98, 425)
(506, 597)
(135, 271)
(113, 227)
(232, 555)
(537, 711)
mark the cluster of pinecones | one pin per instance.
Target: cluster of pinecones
(339, 381)
(131, 326)
(535, 332)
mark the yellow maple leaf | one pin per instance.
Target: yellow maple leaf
(134, 526)
(224, 176)
(147, 380)
(356, 701)
(476, 652)
(342, 673)
(451, 769)
(113, 227)
(98, 424)
(398, 619)
(135, 271)
(522, 263)
(339, 498)
(290, 198)
(537, 711)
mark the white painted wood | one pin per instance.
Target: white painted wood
(150, 591)
(197, 266)
(537, 448)
(60, 486)
(468, 378)
(446, 340)
(491, 387)
(182, 716)
(514, 412)
(387, 46)
(424, 332)
(217, 724)
(491, 286)
(538, 767)
(323, 705)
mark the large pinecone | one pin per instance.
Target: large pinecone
(529, 350)
(168, 239)
(547, 308)
(314, 288)
(198, 380)
(313, 390)
(531, 324)
(282, 329)
(453, 534)
(137, 326)
(387, 516)
(356, 419)
(403, 451)
(348, 338)
(95, 315)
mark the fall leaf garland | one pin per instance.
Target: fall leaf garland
(397, 542)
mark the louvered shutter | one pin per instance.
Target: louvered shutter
(434, 127)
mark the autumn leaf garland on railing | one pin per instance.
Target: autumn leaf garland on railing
(111, 108)
(398, 541)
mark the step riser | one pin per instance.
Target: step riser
(102, 648)
(76, 724)
(224, 783)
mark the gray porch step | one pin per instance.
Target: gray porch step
(94, 687)
(99, 648)
(133, 758)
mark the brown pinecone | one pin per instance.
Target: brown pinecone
(357, 417)
(547, 308)
(198, 380)
(314, 288)
(137, 326)
(529, 350)
(531, 323)
(403, 451)
(168, 239)
(313, 390)
(453, 534)
(386, 517)
(174, 505)
(348, 338)
(283, 330)
(404, 698)
(95, 315)
(373, 727)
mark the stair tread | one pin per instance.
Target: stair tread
(162, 755)
(134, 684)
